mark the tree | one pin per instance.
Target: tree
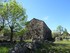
(15, 17)
(1, 4)
(58, 32)
(55, 34)
(1, 23)
(65, 33)
(1, 18)
(60, 29)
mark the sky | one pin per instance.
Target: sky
(52, 12)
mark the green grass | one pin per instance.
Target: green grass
(30, 40)
(62, 42)
(56, 47)
(5, 48)
(62, 46)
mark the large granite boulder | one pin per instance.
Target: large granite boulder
(38, 29)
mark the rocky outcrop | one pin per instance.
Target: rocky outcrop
(26, 47)
(37, 29)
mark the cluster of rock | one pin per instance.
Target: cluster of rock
(24, 47)
(30, 47)
(38, 29)
(4, 42)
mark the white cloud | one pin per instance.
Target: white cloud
(44, 18)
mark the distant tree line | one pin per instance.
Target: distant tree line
(60, 32)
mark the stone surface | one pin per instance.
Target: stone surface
(38, 29)
(19, 48)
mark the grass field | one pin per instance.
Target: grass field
(57, 47)
(62, 42)
(5, 48)
(63, 46)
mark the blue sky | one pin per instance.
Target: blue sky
(52, 12)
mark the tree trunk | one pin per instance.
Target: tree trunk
(11, 37)
(1, 27)
(21, 38)
(3, 22)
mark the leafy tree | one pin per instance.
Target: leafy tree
(55, 34)
(60, 32)
(1, 3)
(1, 18)
(14, 16)
(60, 29)
(1, 23)
(65, 33)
